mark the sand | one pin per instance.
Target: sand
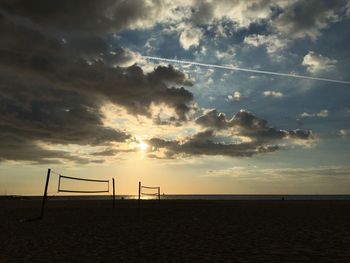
(176, 231)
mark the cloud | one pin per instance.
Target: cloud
(190, 37)
(53, 117)
(242, 135)
(344, 132)
(61, 63)
(307, 18)
(272, 43)
(122, 57)
(322, 114)
(48, 59)
(93, 16)
(202, 144)
(16, 148)
(111, 152)
(52, 88)
(273, 174)
(242, 13)
(204, 12)
(293, 18)
(272, 93)
(316, 63)
(237, 96)
(285, 20)
(244, 123)
(213, 119)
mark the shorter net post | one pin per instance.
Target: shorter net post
(113, 185)
(59, 183)
(139, 193)
(45, 194)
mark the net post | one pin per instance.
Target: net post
(159, 193)
(113, 185)
(59, 183)
(45, 194)
(139, 193)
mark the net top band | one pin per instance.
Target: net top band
(150, 187)
(84, 179)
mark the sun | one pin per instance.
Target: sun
(142, 146)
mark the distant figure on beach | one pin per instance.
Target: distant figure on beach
(282, 198)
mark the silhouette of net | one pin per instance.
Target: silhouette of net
(149, 191)
(62, 188)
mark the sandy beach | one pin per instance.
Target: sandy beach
(176, 231)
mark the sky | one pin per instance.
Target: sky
(79, 94)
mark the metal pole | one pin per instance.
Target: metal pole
(139, 193)
(45, 194)
(159, 193)
(113, 192)
(59, 183)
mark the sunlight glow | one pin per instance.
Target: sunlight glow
(143, 146)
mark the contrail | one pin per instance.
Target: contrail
(243, 69)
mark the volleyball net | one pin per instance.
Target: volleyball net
(150, 192)
(70, 184)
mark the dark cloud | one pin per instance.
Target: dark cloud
(300, 134)
(89, 16)
(111, 152)
(203, 13)
(20, 149)
(246, 124)
(59, 66)
(262, 138)
(52, 88)
(307, 18)
(87, 45)
(49, 114)
(62, 64)
(203, 144)
(294, 19)
(213, 119)
(31, 114)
